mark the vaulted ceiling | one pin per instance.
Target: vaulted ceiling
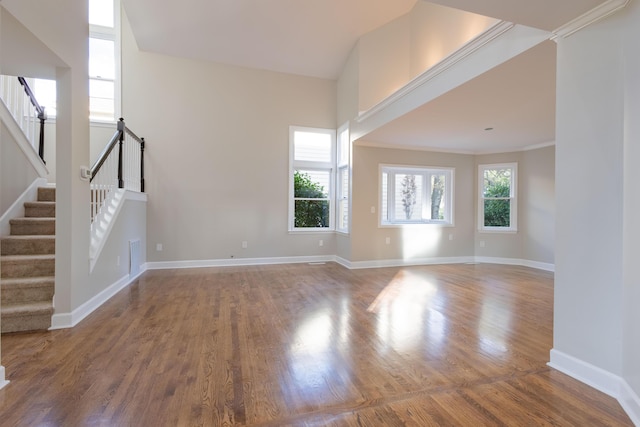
(314, 38)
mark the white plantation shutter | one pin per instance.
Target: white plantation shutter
(312, 147)
(398, 190)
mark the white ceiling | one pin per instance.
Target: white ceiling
(314, 38)
(306, 37)
(515, 99)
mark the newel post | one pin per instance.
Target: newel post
(142, 165)
(121, 127)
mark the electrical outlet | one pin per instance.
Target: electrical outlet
(450, 236)
(373, 209)
(387, 240)
(244, 244)
(159, 247)
(320, 243)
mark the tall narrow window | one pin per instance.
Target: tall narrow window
(416, 195)
(311, 179)
(497, 208)
(103, 60)
(343, 163)
(104, 65)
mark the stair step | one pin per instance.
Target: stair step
(40, 209)
(30, 226)
(16, 266)
(28, 289)
(27, 245)
(26, 317)
(46, 194)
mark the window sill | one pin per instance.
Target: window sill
(509, 231)
(102, 123)
(311, 231)
(420, 225)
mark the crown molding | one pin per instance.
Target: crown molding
(392, 146)
(597, 13)
(470, 47)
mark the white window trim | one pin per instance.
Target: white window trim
(298, 164)
(450, 194)
(513, 212)
(106, 33)
(346, 165)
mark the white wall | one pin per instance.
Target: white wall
(533, 243)
(16, 172)
(631, 202)
(113, 263)
(217, 154)
(392, 55)
(537, 199)
(597, 278)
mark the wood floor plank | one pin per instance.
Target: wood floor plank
(306, 345)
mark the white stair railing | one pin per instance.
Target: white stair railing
(30, 116)
(119, 167)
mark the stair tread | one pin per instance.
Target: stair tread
(27, 281)
(40, 307)
(32, 219)
(25, 257)
(29, 237)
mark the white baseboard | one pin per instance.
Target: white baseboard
(407, 262)
(585, 372)
(3, 382)
(352, 265)
(515, 261)
(630, 402)
(599, 379)
(237, 262)
(69, 320)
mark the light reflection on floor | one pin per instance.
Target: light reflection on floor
(315, 361)
(495, 322)
(405, 312)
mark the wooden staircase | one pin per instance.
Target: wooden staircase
(27, 274)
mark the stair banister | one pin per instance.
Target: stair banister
(104, 155)
(42, 115)
(110, 172)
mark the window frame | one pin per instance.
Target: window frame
(111, 34)
(513, 198)
(427, 172)
(329, 166)
(343, 168)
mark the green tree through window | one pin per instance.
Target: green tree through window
(497, 197)
(311, 208)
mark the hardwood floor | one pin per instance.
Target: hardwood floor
(306, 345)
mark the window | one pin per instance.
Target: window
(103, 60)
(311, 179)
(416, 195)
(104, 66)
(45, 92)
(343, 163)
(497, 209)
